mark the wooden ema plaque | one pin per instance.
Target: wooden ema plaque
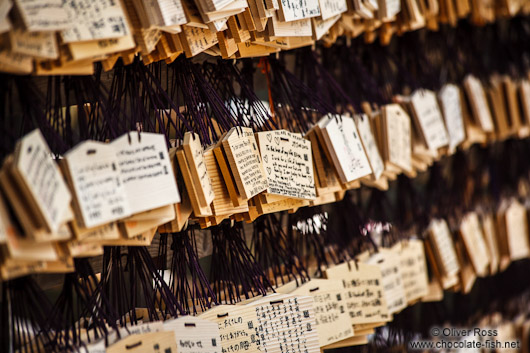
(451, 105)
(286, 323)
(344, 146)
(287, 160)
(93, 174)
(240, 163)
(396, 133)
(145, 170)
(363, 292)
(35, 188)
(328, 296)
(390, 264)
(443, 254)
(429, 118)
(473, 240)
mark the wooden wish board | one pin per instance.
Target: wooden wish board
(152, 342)
(345, 147)
(42, 45)
(516, 231)
(194, 334)
(46, 15)
(451, 105)
(471, 233)
(370, 145)
(298, 10)
(332, 8)
(297, 28)
(96, 19)
(363, 292)
(331, 319)
(397, 136)
(145, 171)
(236, 325)
(243, 157)
(194, 153)
(491, 235)
(429, 118)
(479, 103)
(467, 275)
(286, 323)
(414, 270)
(326, 178)
(390, 264)
(388, 9)
(93, 174)
(322, 27)
(443, 251)
(222, 203)
(288, 164)
(41, 182)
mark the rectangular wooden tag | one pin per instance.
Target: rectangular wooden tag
(145, 171)
(471, 233)
(517, 231)
(414, 270)
(390, 264)
(37, 44)
(397, 134)
(237, 327)
(363, 292)
(48, 15)
(479, 103)
(195, 335)
(286, 323)
(242, 153)
(442, 246)
(332, 321)
(39, 176)
(291, 11)
(94, 177)
(195, 157)
(288, 163)
(152, 342)
(370, 145)
(490, 235)
(345, 148)
(429, 117)
(97, 19)
(451, 106)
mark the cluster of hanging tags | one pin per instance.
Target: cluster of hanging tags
(210, 98)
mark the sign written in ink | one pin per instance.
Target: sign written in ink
(345, 147)
(194, 335)
(449, 97)
(288, 164)
(95, 19)
(100, 197)
(195, 157)
(44, 15)
(145, 169)
(429, 117)
(370, 145)
(243, 155)
(286, 323)
(397, 136)
(363, 291)
(297, 10)
(236, 325)
(389, 263)
(40, 175)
